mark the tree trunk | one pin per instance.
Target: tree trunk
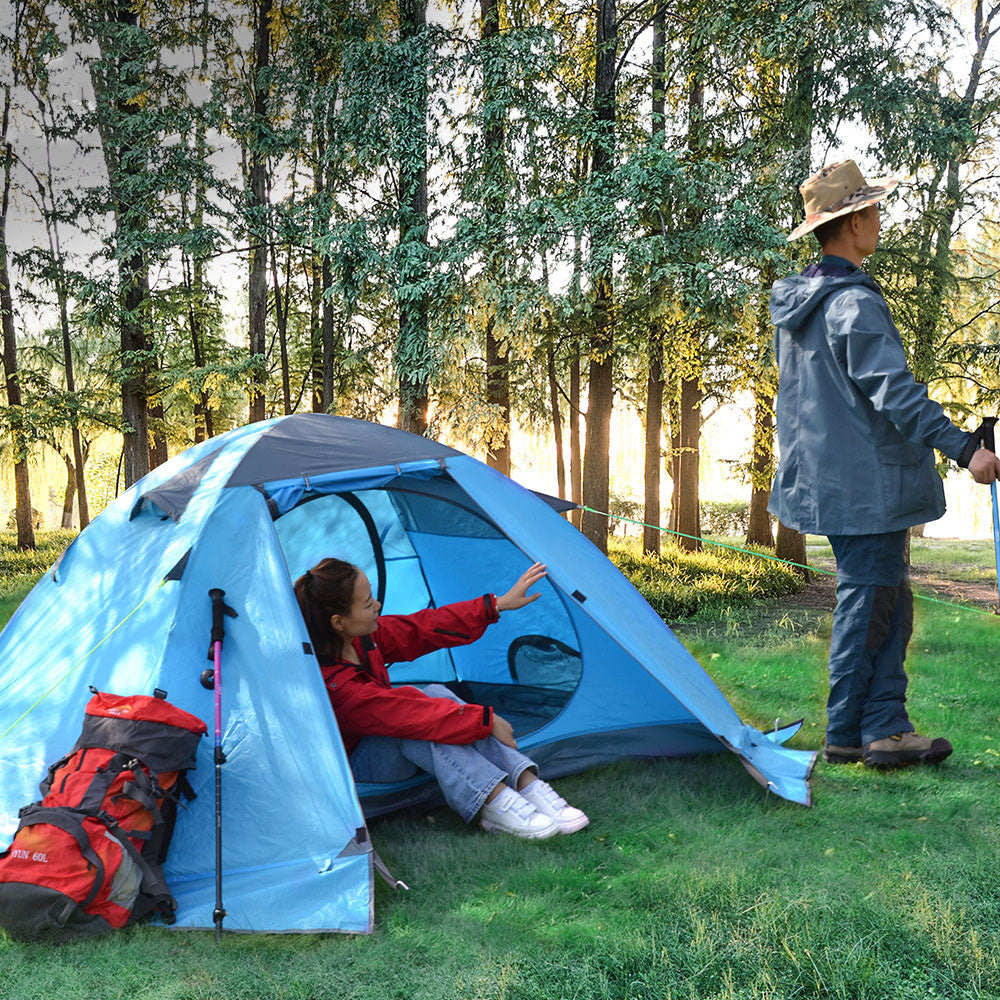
(51, 219)
(600, 396)
(686, 488)
(688, 462)
(319, 272)
(156, 421)
(68, 493)
(196, 302)
(259, 223)
(158, 441)
(282, 301)
(316, 334)
(22, 489)
(600, 391)
(792, 547)
(940, 280)
(557, 430)
(327, 340)
(413, 347)
(761, 473)
(193, 268)
(126, 165)
(195, 292)
(497, 358)
(651, 534)
(134, 283)
(498, 397)
(762, 460)
(575, 441)
(575, 444)
(674, 420)
(81, 484)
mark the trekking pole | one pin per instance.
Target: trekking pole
(984, 435)
(989, 441)
(213, 679)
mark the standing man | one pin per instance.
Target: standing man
(856, 435)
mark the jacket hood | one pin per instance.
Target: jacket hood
(795, 299)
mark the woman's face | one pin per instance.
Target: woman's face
(362, 618)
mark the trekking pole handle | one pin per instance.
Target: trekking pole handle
(989, 440)
(219, 612)
(982, 435)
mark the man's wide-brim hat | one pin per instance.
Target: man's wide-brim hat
(836, 190)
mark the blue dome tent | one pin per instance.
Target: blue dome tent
(587, 674)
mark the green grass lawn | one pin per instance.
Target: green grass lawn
(691, 881)
(20, 570)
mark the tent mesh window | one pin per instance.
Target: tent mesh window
(544, 673)
(416, 539)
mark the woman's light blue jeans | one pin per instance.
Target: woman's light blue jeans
(466, 772)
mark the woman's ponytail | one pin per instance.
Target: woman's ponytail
(326, 589)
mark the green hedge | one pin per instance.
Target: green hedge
(724, 517)
(718, 517)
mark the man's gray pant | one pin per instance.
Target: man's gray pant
(871, 628)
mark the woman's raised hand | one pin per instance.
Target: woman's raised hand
(517, 596)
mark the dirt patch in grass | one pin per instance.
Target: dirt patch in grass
(964, 578)
(976, 593)
(940, 581)
(820, 594)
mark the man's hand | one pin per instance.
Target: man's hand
(517, 596)
(503, 731)
(985, 466)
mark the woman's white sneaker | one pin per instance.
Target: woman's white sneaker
(510, 813)
(550, 803)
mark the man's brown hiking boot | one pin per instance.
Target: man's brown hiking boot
(905, 748)
(841, 755)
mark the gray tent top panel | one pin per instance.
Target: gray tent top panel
(304, 444)
(311, 444)
(174, 495)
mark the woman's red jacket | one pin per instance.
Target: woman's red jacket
(365, 703)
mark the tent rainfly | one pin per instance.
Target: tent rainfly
(587, 674)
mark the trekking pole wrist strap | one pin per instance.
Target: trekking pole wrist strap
(982, 435)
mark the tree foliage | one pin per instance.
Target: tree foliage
(467, 216)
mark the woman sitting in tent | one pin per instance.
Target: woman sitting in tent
(392, 734)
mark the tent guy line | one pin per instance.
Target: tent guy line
(763, 555)
(82, 659)
(616, 517)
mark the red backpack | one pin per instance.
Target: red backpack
(87, 857)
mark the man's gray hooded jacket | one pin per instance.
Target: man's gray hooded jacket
(855, 430)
